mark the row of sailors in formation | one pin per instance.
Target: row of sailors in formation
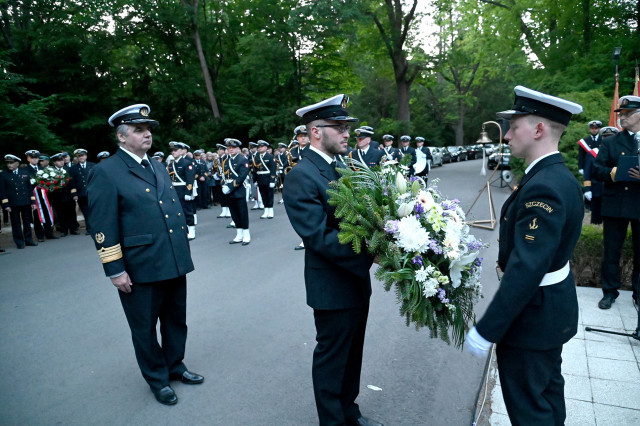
(230, 177)
(31, 195)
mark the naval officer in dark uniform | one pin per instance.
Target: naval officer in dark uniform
(588, 143)
(365, 153)
(18, 200)
(391, 153)
(535, 310)
(407, 149)
(183, 176)
(336, 278)
(42, 215)
(140, 232)
(620, 200)
(265, 173)
(80, 178)
(236, 170)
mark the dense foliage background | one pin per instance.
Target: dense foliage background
(239, 68)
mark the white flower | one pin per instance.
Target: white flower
(411, 236)
(401, 183)
(457, 266)
(422, 275)
(426, 199)
(430, 288)
(33, 181)
(405, 209)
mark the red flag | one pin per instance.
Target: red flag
(613, 116)
(636, 85)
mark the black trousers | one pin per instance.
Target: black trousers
(596, 210)
(83, 203)
(239, 212)
(21, 224)
(614, 233)
(267, 195)
(188, 207)
(65, 212)
(144, 306)
(532, 385)
(337, 363)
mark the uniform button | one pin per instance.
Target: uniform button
(183, 227)
(148, 190)
(171, 231)
(179, 214)
(173, 199)
(167, 216)
(171, 187)
(626, 188)
(160, 201)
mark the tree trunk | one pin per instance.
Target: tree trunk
(403, 89)
(459, 128)
(203, 62)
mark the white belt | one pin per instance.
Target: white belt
(228, 180)
(551, 278)
(263, 173)
(179, 184)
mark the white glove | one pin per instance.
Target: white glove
(581, 171)
(272, 185)
(588, 195)
(216, 177)
(476, 345)
(188, 197)
(226, 189)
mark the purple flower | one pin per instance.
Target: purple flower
(417, 260)
(433, 246)
(391, 226)
(413, 179)
(474, 245)
(418, 208)
(442, 295)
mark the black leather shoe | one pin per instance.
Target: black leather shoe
(235, 242)
(64, 234)
(299, 248)
(606, 302)
(51, 237)
(41, 240)
(188, 378)
(363, 421)
(230, 226)
(166, 396)
(246, 243)
(20, 247)
(31, 243)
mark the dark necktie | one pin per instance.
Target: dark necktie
(147, 168)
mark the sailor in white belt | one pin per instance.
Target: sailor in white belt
(535, 309)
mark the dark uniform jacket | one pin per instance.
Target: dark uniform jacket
(391, 153)
(183, 175)
(265, 169)
(593, 142)
(236, 170)
(540, 224)
(17, 190)
(62, 194)
(591, 183)
(282, 160)
(411, 151)
(371, 159)
(80, 178)
(137, 222)
(619, 199)
(335, 276)
(297, 153)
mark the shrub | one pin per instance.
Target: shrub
(587, 258)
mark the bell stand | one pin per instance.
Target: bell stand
(491, 222)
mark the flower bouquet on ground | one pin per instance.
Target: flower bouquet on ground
(422, 243)
(51, 179)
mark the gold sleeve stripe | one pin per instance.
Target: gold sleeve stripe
(109, 254)
(73, 190)
(33, 198)
(587, 183)
(6, 200)
(613, 173)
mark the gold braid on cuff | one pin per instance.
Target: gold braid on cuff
(109, 254)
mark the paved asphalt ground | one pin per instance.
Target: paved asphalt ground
(67, 356)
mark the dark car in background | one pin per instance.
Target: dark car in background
(474, 151)
(458, 153)
(446, 155)
(500, 159)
